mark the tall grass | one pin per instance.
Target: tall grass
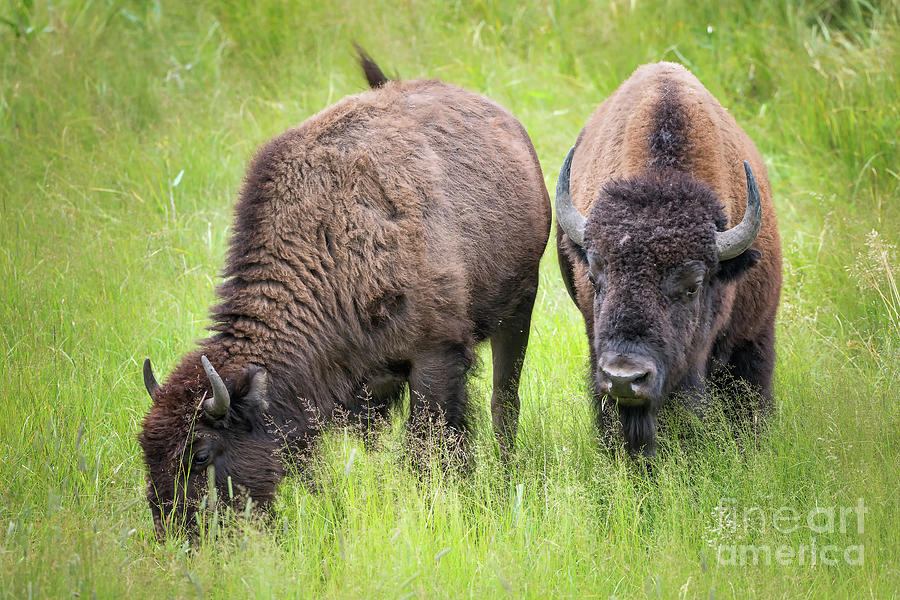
(125, 128)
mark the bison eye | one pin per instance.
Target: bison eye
(692, 291)
(201, 458)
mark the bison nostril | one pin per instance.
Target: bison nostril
(625, 378)
(628, 376)
(625, 383)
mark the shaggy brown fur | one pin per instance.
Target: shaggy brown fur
(658, 169)
(373, 245)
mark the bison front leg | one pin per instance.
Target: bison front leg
(751, 366)
(438, 402)
(371, 412)
(694, 395)
(508, 345)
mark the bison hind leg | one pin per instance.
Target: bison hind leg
(508, 345)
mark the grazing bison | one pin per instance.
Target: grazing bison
(374, 246)
(668, 245)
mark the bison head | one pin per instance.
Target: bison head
(661, 270)
(204, 429)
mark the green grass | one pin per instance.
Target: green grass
(125, 128)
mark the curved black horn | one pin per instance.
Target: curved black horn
(218, 404)
(568, 217)
(732, 242)
(149, 379)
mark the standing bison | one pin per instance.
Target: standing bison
(668, 245)
(374, 246)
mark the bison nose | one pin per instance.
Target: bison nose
(629, 378)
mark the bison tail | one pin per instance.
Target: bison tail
(373, 73)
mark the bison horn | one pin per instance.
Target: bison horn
(734, 241)
(568, 217)
(149, 379)
(218, 405)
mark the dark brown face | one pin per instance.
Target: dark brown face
(185, 439)
(647, 327)
(177, 455)
(657, 288)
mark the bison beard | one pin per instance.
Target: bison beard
(374, 245)
(638, 427)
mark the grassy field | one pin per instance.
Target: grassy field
(125, 128)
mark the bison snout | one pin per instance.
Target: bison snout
(630, 379)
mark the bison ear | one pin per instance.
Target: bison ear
(252, 387)
(259, 390)
(735, 267)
